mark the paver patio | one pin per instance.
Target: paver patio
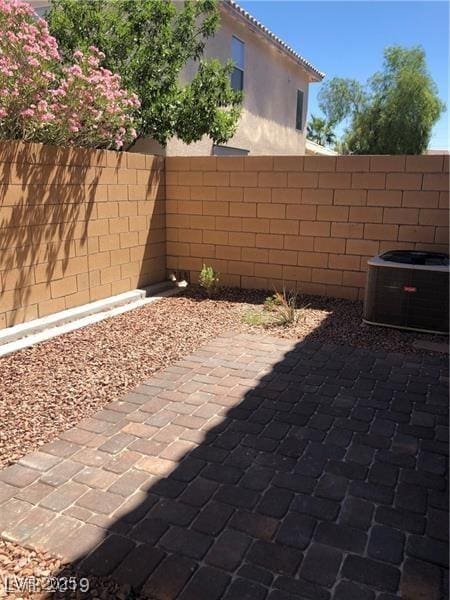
(255, 468)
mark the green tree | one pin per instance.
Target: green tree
(340, 97)
(394, 113)
(320, 131)
(149, 42)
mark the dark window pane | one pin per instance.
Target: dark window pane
(237, 80)
(238, 52)
(299, 117)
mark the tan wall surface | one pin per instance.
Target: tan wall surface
(310, 222)
(81, 225)
(76, 226)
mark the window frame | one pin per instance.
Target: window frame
(236, 67)
(301, 120)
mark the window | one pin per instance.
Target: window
(299, 116)
(237, 56)
(229, 151)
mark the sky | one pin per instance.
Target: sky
(347, 38)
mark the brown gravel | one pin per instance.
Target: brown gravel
(48, 388)
(40, 573)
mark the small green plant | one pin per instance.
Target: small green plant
(254, 318)
(259, 317)
(209, 280)
(271, 302)
(284, 306)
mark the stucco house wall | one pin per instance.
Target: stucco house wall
(272, 77)
(271, 81)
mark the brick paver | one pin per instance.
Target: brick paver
(255, 468)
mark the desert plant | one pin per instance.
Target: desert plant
(279, 309)
(284, 305)
(209, 279)
(42, 100)
(255, 318)
(271, 301)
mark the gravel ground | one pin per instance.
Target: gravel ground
(41, 568)
(48, 388)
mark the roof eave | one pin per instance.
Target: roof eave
(233, 9)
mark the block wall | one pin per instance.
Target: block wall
(306, 222)
(76, 226)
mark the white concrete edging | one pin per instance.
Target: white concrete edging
(33, 332)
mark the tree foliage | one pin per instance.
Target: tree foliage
(340, 97)
(394, 113)
(320, 131)
(41, 100)
(149, 43)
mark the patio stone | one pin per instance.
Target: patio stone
(140, 430)
(100, 502)
(228, 551)
(60, 448)
(128, 483)
(64, 496)
(117, 443)
(258, 526)
(183, 541)
(170, 577)
(63, 471)
(39, 461)
(106, 557)
(90, 457)
(18, 476)
(206, 583)
(386, 544)
(95, 478)
(377, 574)
(138, 565)
(37, 519)
(275, 557)
(6, 491)
(256, 468)
(321, 565)
(245, 588)
(341, 536)
(33, 493)
(347, 590)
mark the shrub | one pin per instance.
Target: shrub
(279, 309)
(209, 280)
(42, 100)
(271, 302)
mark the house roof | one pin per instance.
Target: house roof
(318, 150)
(236, 10)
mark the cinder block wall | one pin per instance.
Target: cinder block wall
(310, 222)
(76, 226)
(80, 225)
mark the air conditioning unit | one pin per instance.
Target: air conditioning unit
(408, 289)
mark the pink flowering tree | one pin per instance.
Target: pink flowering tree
(42, 100)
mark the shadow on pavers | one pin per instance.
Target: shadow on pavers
(262, 468)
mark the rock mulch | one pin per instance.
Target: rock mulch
(48, 388)
(41, 567)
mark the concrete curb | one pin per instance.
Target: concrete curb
(33, 332)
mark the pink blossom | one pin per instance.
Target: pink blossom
(43, 100)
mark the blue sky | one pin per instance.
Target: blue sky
(347, 38)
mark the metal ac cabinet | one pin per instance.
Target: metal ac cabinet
(409, 290)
